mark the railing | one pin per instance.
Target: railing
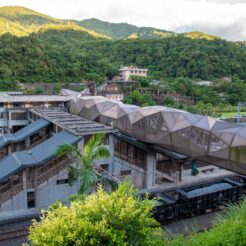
(5, 196)
(12, 188)
(56, 167)
(3, 153)
(100, 172)
(38, 140)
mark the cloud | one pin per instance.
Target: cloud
(235, 31)
(219, 17)
(223, 1)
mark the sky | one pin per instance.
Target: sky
(225, 18)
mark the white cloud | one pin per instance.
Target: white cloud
(225, 17)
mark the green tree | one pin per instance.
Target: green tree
(120, 218)
(9, 86)
(93, 150)
(139, 99)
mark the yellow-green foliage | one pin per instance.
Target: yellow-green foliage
(119, 218)
(21, 21)
(163, 34)
(70, 26)
(25, 15)
(133, 36)
(12, 28)
(200, 35)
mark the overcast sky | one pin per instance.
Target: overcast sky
(226, 18)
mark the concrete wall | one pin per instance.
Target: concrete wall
(137, 175)
(47, 193)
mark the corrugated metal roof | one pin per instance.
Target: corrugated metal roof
(25, 132)
(38, 155)
(33, 98)
(72, 123)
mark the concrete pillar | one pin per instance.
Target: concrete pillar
(9, 149)
(111, 148)
(24, 180)
(150, 170)
(80, 145)
(181, 172)
(28, 143)
(9, 123)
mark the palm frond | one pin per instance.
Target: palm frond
(73, 174)
(87, 180)
(93, 150)
(69, 149)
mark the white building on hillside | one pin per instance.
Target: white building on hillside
(127, 72)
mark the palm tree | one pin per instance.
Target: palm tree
(87, 173)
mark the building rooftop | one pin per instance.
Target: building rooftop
(25, 132)
(37, 156)
(122, 68)
(72, 123)
(6, 98)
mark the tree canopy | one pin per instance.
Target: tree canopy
(69, 55)
(119, 218)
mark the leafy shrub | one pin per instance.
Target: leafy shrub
(119, 218)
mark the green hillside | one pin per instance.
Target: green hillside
(36, 47)
(20, 21)
(26, 17)
(200, 35)
(122, 30)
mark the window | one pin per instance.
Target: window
(30, 199)
(61, 181)
(16, 104)
(125, 172)
(104, 167)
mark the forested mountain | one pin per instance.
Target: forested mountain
(60, 56)
(52, 50)
(20, 21)
(123, 30)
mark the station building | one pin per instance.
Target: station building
(32, 177)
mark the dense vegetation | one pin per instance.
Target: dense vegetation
(123, 30)
(230, 230)
(220, 97)
(121, 218)
(70, 55)
(53, 50)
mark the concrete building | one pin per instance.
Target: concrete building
(127, 72)
(13, 108)
(111, 90)
(33, 177)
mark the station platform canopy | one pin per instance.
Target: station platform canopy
(197, 136)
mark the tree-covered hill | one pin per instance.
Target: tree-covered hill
(25, 16)
(65, 55)
(20, 21)
(53, 50)
(123, 30)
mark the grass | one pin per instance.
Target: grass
(231, 114)
(230, 230)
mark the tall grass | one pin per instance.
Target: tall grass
(229, 230)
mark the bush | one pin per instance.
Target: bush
(119, 218)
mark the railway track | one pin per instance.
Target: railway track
(14, 237)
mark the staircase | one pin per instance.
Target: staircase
(57, 165)
(102, 172)
(10, 192)
(44, 173)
